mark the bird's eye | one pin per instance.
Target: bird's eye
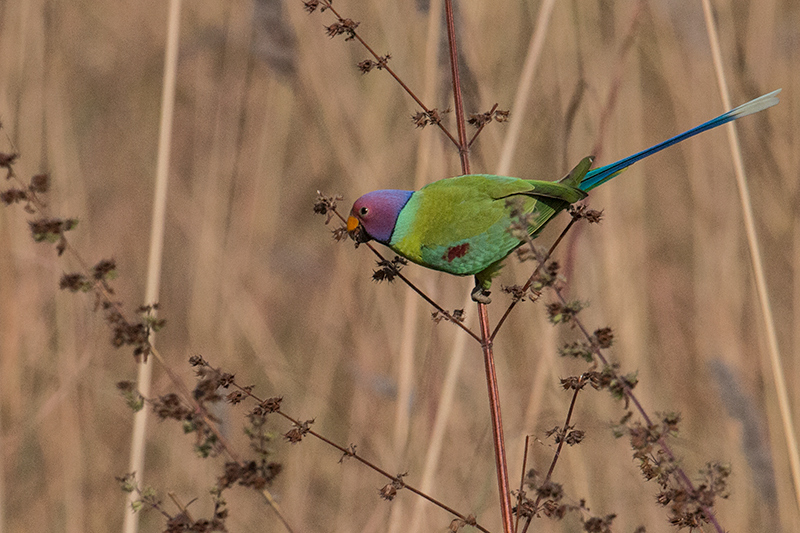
(363, 211)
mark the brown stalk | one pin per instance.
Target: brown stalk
(503, 483)
(520, 494)
(555, 457)
(463, 146)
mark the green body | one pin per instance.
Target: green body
(461, 225)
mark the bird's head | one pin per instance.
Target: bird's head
(374, 215)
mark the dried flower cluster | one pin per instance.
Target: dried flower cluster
(388, 269)
(326, 205)
(52, 230)
(299, 431)
(40, 183)
(368, 64)
(687, 506)
(431, 117)
(481, 119)
(343, 26)
(312, 5)
(182, 521)
(133, 398)
(564, 313)
(582, 211)
(551, 502)
(389, 491)
(602, 338)
(457, 315)
(256, 472)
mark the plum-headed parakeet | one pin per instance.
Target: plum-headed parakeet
(461, 225)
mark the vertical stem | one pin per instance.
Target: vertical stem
(463, 145)
(143, 381)
(497, 421)
(522, 479)
(483, 315)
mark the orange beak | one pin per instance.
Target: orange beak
(352, 224)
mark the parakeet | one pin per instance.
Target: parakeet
(461, 225)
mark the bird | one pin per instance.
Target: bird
(461, 225)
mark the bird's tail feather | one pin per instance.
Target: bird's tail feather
(600, 175)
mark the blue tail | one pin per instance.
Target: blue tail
(600, 175)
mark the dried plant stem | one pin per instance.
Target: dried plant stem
(556, 455)
(463, 145)
(444, 409)
(428, 299)
(416, 289)
(755, 256)
(522, 479)
(682, 477)
(136, 464)
(503, 483)
(350, 452)
(532, 277)
(275, 507)
(405, 373)
(388, 69)
(209, 421)
(561, 442)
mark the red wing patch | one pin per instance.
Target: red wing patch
(456, 251)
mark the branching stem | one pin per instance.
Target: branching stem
(682, 476)
(532, 276)
(388, 69)
(555, 457)
(350, 452)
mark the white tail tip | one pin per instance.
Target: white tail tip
(756, 105)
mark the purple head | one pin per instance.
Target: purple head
(376, 212)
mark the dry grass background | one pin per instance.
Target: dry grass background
(269, 110)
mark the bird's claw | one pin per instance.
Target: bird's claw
(481, 295)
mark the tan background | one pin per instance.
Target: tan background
(269, 109)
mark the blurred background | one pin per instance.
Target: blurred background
(269, 110)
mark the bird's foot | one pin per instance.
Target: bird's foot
(481, 295)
